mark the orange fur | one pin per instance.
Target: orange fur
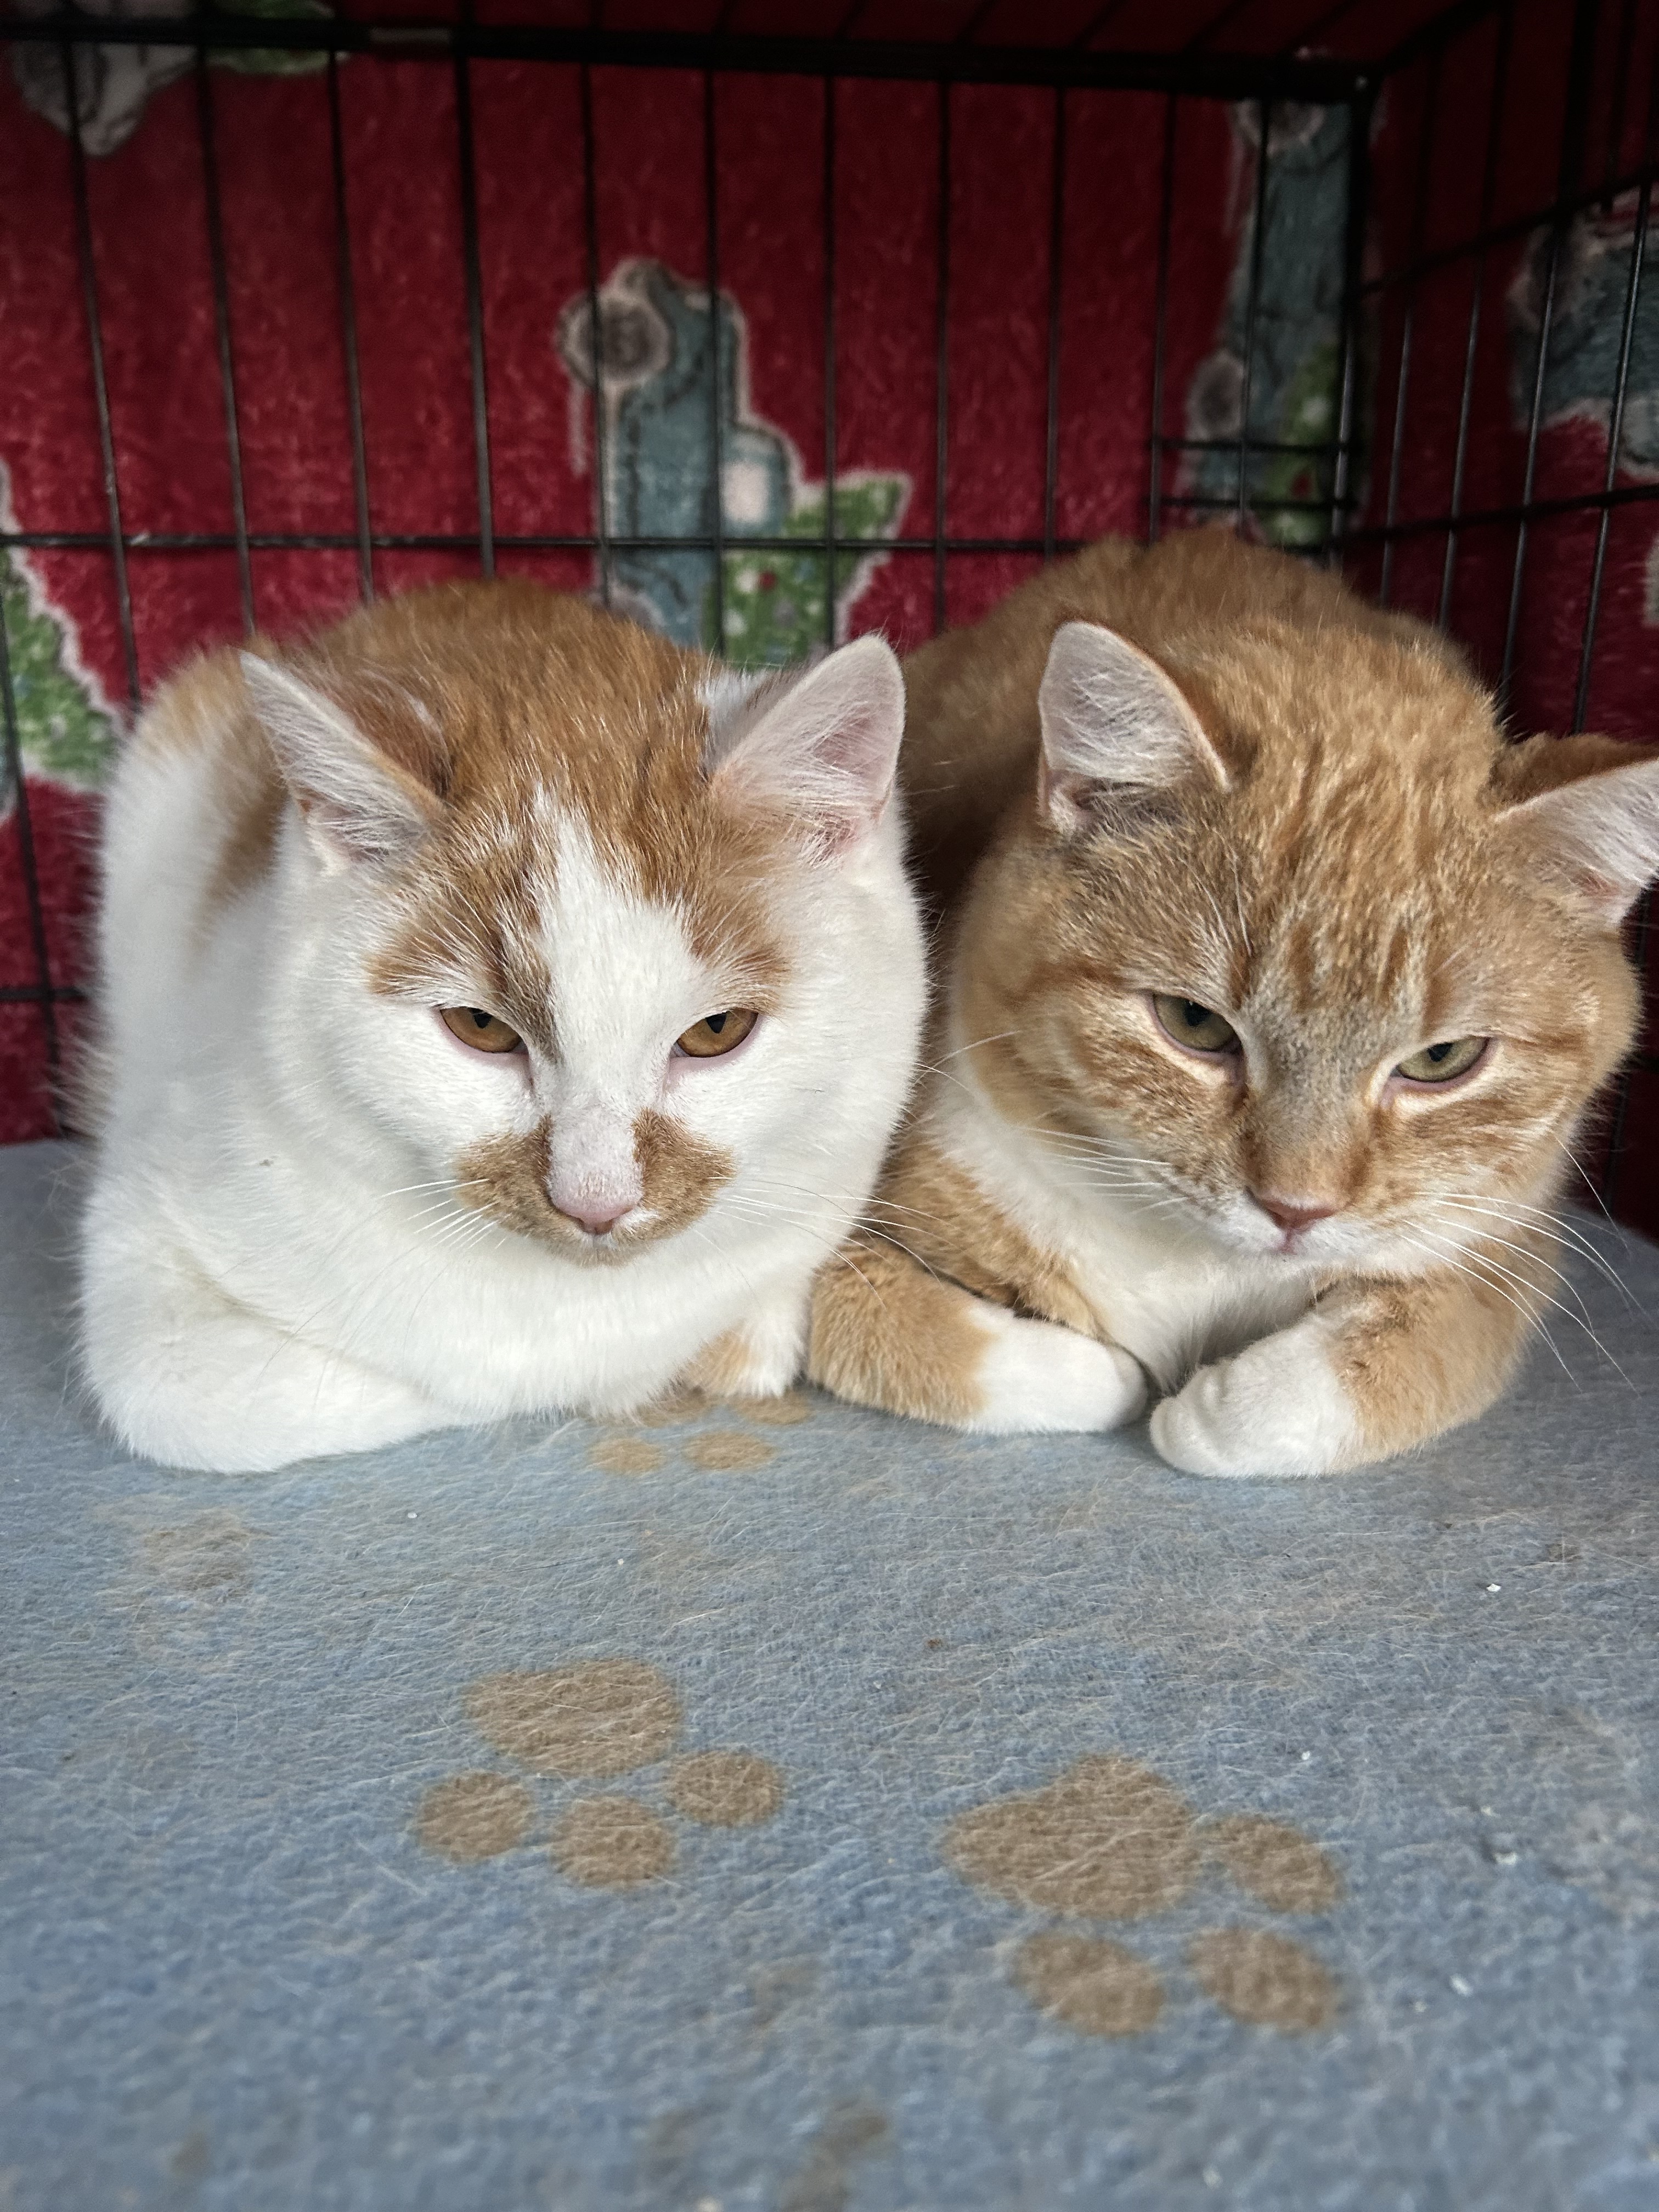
(1348, 886)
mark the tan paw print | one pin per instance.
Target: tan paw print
(599, 1718)
(1111, 1840)
(716, 1451)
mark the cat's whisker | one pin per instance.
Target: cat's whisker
(1537, 1259)
(936, 1067)
(441, 1183)
(1543, 1223)
(1588, 1180)
(1533, 1321)
(1533, 1289)
(844, 1259)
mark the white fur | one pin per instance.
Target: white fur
(1275, 1408)
(1171, 1295)
(276, 1261)
(1034, 1375)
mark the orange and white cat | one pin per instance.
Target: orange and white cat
(502, 1010)
(1271, 1012)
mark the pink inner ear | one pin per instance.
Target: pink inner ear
(1600, 831)
(827, 750)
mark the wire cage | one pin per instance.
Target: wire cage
(770, 323)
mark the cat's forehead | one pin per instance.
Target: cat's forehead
(570, 750)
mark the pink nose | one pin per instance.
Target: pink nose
(1289, 1215)
(595, 1219)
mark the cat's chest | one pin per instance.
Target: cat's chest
(1174, 1305)
(1172, 1300)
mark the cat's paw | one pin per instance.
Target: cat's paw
(1277, 1408)
(1036, 1375)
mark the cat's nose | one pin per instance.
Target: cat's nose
(1291, 1214)
(596, 1219)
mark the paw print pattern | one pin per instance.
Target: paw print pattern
(716, 1450)
(1111, 1840)
(590, 1721)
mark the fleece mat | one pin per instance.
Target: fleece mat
(818, 1813)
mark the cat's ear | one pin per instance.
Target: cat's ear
(357, 803)
(822, 745)
(1590, 806)
(1114, 727)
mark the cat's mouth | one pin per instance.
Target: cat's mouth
(603, 1248)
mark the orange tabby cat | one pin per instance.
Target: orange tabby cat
(1267, 1020)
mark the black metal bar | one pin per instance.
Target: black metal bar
(43, 992)
(1097, 22)
(590, 226)
(942, 368)
(222, 325)
(1403, 370)
(1356, 216)
(468, 178)
(1255, 444)
(1258, 229)
(1502, 233)
(1218, 22)
(1309, 34)
(1585, 15)
(1056, 248)
(1640, 1063)
(1214, 77)
(100, 381)
(1440, 32)
(1642, 941)
(1616, 412)
(712, 254)
(1160, 325)
(462, 541)
(1537, 510)
(1615, 432)
(1500, 70)
(1617, 90)
(1228, 504)
(349, 337)
(831, 454)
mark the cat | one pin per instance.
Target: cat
(1278, 985)
(502, 1010)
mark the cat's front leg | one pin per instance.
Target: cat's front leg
(1277, 1407)
(185, 1376)
(761, 1356)
(888, 1332)
(1375, 1369)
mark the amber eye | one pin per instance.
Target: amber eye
(717, 1033)
(483, 1032)
(1198, 1028)
(1439, 1063)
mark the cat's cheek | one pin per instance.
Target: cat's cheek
(1275, 1409)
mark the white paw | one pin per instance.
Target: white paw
(1036, 1375)
(1277, 1408)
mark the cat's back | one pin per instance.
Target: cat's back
(972, 729)
(191, 819)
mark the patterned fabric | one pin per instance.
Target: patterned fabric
(677, 382)
(793, 1810)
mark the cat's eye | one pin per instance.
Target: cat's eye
(1440, 1063)
(1201, 1028)
(484, 1032)
(717, 1033)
